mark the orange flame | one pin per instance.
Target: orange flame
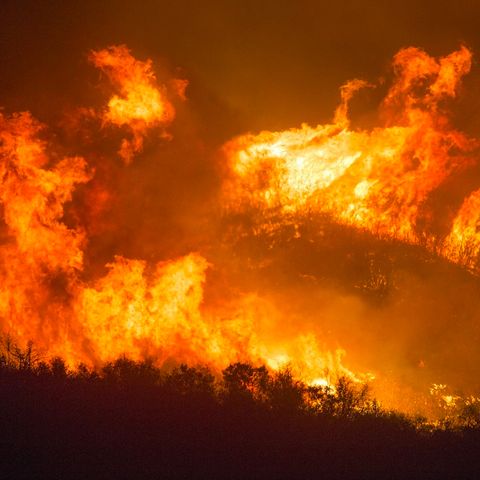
(463, 243)
(377, 180)
(134, 309)
(142, 103)
(39, 252)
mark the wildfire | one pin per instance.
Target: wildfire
(376, 180)
(137, 309)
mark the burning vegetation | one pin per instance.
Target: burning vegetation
(191, 307)
(377, 180)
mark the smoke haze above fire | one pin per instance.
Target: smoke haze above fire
(201, 279)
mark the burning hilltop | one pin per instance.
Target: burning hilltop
(378, 181)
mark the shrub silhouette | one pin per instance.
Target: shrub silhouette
(185, 380)
(348, 399)
(128, 373)
(245, 383)
(285, 393)
(58, 368)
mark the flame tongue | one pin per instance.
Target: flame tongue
(141, 104)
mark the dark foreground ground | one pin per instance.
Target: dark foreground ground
(130, 421)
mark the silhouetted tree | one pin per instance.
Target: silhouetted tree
(58, 368)
(186, 380)
(243, 382)
(12, 355)
(126, 372)
(469, 415)
(84, 373)
(286, 393)
(347, 399)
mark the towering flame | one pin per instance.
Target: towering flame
(33, 196)
(378, 179)
(39, 255)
